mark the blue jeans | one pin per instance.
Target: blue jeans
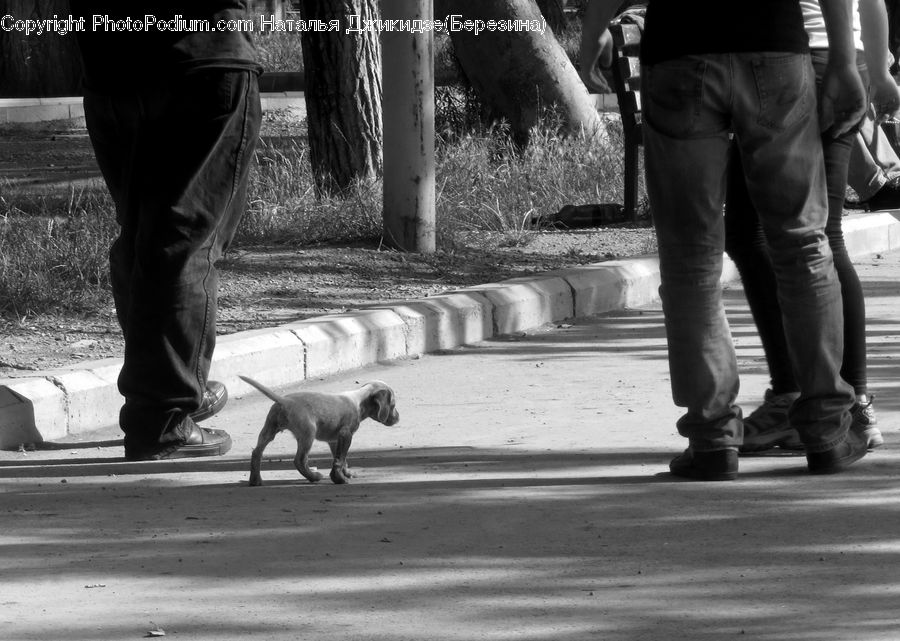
(176, 157)
(768, 100)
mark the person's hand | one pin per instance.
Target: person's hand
(842, 102)
(885, 98)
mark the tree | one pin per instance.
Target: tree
(38, 65)
(518, 73)
(343, 94)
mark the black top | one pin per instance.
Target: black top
(164, 39)
(675, 29)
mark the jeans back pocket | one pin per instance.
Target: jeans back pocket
(673, 96)
(783, 83)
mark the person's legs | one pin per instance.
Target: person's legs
(780, 146)
(745, 244)
(838, 153)
(854, 367)
(114, 124)
(767, 426)
(179, 204)
(686, 150)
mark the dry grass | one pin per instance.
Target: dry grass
(53, 251)
(483, 183)
(53, 247)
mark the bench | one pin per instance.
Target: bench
(626, 73)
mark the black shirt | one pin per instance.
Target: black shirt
(673, 29)
(128, 43)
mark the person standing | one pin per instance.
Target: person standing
(745, 70)
(745, 242)
(171, 102)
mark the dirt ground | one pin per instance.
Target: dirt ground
(267, 286)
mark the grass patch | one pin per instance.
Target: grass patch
(277, 51)
(484, 183)
(53, 252)
(54, 247)
(283, 208)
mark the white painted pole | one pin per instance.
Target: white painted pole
(408, 112)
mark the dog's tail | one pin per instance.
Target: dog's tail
(262, 388)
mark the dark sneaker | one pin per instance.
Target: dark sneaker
(187, 441)
(718, 465)
(214, 399)
(768, 426)
(864, 420)
(888, 197)
(839, 457)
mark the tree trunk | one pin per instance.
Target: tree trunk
(343, 95)
(519, 73)
(36, 66)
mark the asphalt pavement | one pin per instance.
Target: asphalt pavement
(524, 495)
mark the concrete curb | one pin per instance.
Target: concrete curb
(78, 400)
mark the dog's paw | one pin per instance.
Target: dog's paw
(337, 477)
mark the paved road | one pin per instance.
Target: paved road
(522, 496)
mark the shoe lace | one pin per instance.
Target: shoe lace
(864, 411)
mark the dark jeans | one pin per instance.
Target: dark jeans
(176, 159)
(768, 100)
(745, 242)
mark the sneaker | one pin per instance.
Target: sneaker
(864, 420)
(186, 440)
(888, 197)
(839, 457)
(768, 425)
(214, 398)
(718, 465)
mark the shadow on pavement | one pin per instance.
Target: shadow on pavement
(620, 558)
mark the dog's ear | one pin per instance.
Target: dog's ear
(383, 405)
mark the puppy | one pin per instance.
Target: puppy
(333, 418)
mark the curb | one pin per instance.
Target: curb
(78, 400)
